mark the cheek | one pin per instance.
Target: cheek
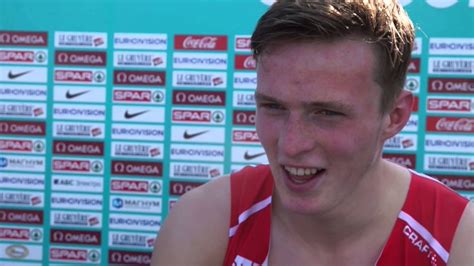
(267, 129)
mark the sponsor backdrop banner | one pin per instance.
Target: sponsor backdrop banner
(111, 110)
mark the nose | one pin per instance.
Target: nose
(296, 137)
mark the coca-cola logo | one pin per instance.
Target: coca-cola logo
(450, 124)
(245, 62)
(200, 42)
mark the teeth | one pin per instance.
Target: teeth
(297, 171)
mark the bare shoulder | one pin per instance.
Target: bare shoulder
(195, 231)
(462, 250)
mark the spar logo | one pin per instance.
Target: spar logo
(77, 166)
(78, 148)
(75, 237)
(200, 42)
(18, 38)
(138, 96)
(212, 98)
(9, 56)
(450, 124)
(245, 62)
(21, 217)
(142, 78)
(414, 66)
(455, 105)
(137, 168)
(80, 58)
(406, 160)
(178, 188)
(74, 255)
(22, 128)
(243, 118)
(129, 257)
(242, 43)
(20, 234)
(22, 146)
(136, 186)
(198, 116)
(79, 76)
(451, 85)
(245, 137)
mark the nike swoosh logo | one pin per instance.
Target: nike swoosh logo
(17, 75)
(70, 95)
(130, 116)
(248, 156)
(186, 135)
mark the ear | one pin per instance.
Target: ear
(396, 118)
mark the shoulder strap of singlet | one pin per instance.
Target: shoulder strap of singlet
(249, 229)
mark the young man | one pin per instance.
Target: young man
(330, 78)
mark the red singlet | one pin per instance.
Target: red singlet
(422, 234)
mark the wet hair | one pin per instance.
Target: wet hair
(383, 23)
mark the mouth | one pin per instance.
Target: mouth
(302, 175)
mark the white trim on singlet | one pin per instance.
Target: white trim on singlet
(426, 176)
(247, 213)
(420, 229)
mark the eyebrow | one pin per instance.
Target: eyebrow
(332, 105)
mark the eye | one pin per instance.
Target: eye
(271, 106)
(327, 113)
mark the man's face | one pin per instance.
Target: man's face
(318, 120)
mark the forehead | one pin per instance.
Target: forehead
(318, 67)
